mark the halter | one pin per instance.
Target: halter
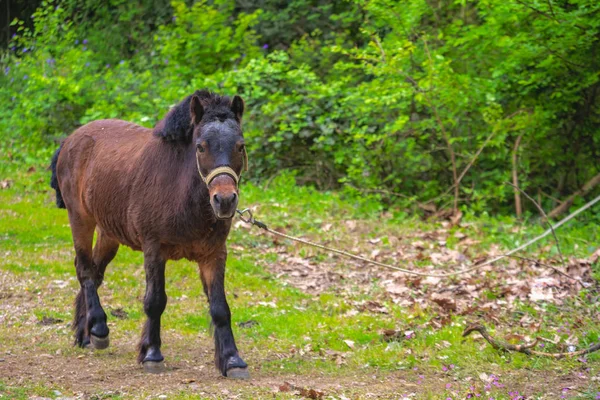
(223, 170)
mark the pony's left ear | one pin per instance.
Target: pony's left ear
(196, 110)
(237, 106)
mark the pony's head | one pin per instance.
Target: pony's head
(213, 125)
(220, 149)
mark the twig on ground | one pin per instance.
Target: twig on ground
(558, 271)
(525, 348)
(379, 191)
(541, 210)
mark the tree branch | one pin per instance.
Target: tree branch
(595, 181)
(525, 348)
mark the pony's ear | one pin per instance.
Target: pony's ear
(196, 109)
(237, 106)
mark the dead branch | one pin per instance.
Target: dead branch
(541, 210)
(515, 176)
(379, 191)
(525, 348)
(378, 43)
(557, 270)
(595, 181)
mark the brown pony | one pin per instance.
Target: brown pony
(169, 192)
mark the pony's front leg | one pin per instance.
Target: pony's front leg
(227, 359)
(155, 302)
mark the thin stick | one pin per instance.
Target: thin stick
(541, 210)
(515, 176)
(524, 348)
(558, 271)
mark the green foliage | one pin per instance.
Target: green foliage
(375, 95)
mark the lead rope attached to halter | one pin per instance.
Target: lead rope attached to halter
(250, 220)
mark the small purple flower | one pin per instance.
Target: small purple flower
(415, 368)
(87, 64)
(122, 62)
(444, 368)
(469, 396)
(448, 385)
(85, 41)
(6, 70)
(107, 65)
(265, 46)
(166, 61)
(13, 48)
(77, 41)
(84, 48)
(24, 49)
(50, 61)
(25, 77)
(542, 345)
(598, 396)
(451, 366)
(14, 35)
(448, 398)
(174, 19)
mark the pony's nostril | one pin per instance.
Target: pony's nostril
(233, 197)
(217, 199)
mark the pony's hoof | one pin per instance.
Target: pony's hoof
(154, 367)
(238, 373)
(99, 343)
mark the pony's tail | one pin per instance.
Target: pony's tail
(60, 203)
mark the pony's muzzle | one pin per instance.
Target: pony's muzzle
(223, 197)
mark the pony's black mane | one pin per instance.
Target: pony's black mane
(177, 124)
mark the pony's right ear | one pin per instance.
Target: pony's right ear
(196, 110)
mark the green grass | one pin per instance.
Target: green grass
(298, 335)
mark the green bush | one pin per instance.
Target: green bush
(394, 97)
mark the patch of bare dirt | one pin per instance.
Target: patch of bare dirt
(93, 376)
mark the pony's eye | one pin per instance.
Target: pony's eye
(200, 149)
(242, 147)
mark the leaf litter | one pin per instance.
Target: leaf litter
(492, 293)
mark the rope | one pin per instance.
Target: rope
(250, 220)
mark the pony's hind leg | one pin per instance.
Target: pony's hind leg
(90, 319)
